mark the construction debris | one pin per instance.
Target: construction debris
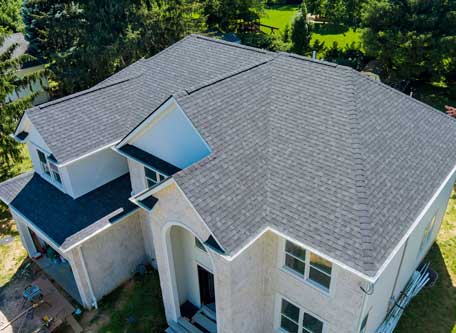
(419, 279)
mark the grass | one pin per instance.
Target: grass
(136, 306)
(330, 33)
(434, 310)
(280, 16)
(12, 254)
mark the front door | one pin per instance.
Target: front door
(206, 286)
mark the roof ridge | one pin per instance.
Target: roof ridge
(309, 59)
(20, 176)
(191, 90)
(360, 177)
(83, 92)
(239, 46)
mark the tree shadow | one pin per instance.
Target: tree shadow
(329, 29)
(285, 8)
(433, 309)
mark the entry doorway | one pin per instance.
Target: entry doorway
(206, 286)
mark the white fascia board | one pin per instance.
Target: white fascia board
(112, 144)
(148, 121)
(99, 231)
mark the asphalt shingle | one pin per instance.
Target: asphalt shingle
(64, 219)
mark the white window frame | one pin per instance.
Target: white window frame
(302, 310)
(49, 169)
(305, 279)
(159, 176)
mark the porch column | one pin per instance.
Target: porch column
(77, 264)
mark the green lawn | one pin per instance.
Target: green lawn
(330, 33)
(280, 16)
(137, 306)
(434, 310)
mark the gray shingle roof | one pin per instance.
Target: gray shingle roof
(64, 219)
(320, 153)
(83, 122)
(317, 151)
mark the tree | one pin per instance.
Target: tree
(413, 40)
(11, 107)
(85, 41)
(10, 15)
(225, 14)
(344, 12)
(301, 31)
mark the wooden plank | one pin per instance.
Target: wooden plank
(188, 326)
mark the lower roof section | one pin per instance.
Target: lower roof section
(67, 221)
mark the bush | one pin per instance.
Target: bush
(264, 41)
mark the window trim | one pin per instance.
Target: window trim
(302, 310)
(305, 279)
(50, 174)
(160, 176)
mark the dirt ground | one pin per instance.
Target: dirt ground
(12, 302)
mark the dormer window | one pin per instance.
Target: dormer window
(48, 167)
(43, 163)
(153, 177)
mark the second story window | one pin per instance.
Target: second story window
(55, 172)
(308, 265)
(153, 177)
(43, 162)
(48, 167)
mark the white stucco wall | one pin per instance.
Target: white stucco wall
(93, 171)
(112, 256)
(173, 138)
(378, 302)
(247, 288)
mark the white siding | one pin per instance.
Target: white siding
(378, 302)
(172, 138)
(93, 171)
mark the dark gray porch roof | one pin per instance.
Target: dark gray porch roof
(63, 219)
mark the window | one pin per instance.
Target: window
(48, 167)
(55, 172)
(294, 320)
(362, 329)
(308, 265)
(199, 245)
(295, 258)
(427, 235)
(153, 177)
(43, 162)
(289, 317)
(320, 271)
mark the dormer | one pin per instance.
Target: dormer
(44, 162)
(76, 177)
(163, 144)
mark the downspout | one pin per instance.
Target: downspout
(86, 275)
